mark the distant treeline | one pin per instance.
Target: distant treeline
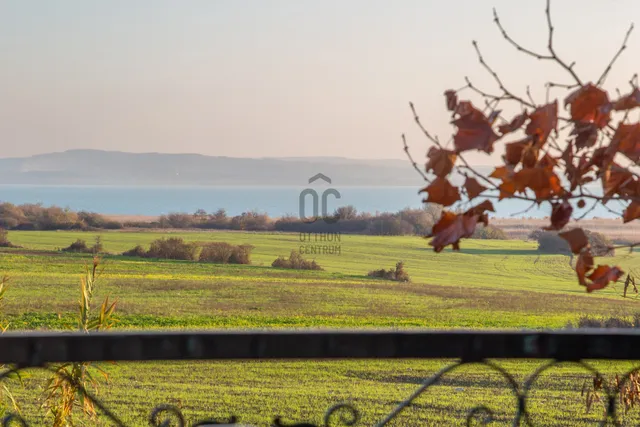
(344, 220)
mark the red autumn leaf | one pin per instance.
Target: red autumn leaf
(514, 150)
(451, 228)
(452, 99)
(481, 209)
(542, 121)
(590, 104)
(601, 277)
(474, 131)
(542, 180)
(463, 108)
(586, 135)
(515, 124)
(576, 238)
(584, 265)
(626, 140)
(547, 162)
(632, 212)
(441, 192)
(614, 179)
(560, 215)
(629, 101)
(440, 161)
(473, 187)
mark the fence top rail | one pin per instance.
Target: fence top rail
(39, 348)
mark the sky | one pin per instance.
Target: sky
(277, 78)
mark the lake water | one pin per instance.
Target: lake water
(275, 201)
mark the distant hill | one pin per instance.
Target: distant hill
(96, 167)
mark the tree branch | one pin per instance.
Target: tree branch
(555, 57)
(413, 162)
(603, 77)
(507, 93)
(422, 128)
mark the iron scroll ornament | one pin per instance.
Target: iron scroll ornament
(347, 415)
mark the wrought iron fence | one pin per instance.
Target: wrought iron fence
(20, 351)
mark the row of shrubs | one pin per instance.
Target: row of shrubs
(221, 252)
(345, 219)
(176, 248)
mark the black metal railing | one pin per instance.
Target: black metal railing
(19, 351)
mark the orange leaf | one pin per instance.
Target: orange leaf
(542, 121)
(626, 140)
(584, 265)
(515, 124)
(441, 192)
(474, 130)
(452, 99)
(473, 187)
(628, 102)
(576, 238)
(560, 215)
(590, 104)
(601, 277)
(543, 181)
(632, 212)
(440, 161)
(502, 172)
(507, 189)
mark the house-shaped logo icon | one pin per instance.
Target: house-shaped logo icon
(320, 176)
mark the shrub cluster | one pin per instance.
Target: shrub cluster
(4, 240)
(550, 242)
(176, 248)
(80, 246)
(295, 262)
(607, 322)
(489, 232)
(398, 274)
(37, 217)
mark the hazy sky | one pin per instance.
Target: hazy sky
(274, 77)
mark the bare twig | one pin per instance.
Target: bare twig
(552, 54)
(422, 128)
(529, 95)
(555, 57)
(531, 206)
(508, 94)
(413, 162)
(603, 77)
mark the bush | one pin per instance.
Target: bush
(295, 262)
(138, 251)
(607, 322)
(398, 274)
(550, 242)
(174, 248)
(225, 253)
(77, 246)
(4, 239)
(489, 232)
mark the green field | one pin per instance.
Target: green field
(489, 284)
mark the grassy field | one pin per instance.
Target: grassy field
(489, 284)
